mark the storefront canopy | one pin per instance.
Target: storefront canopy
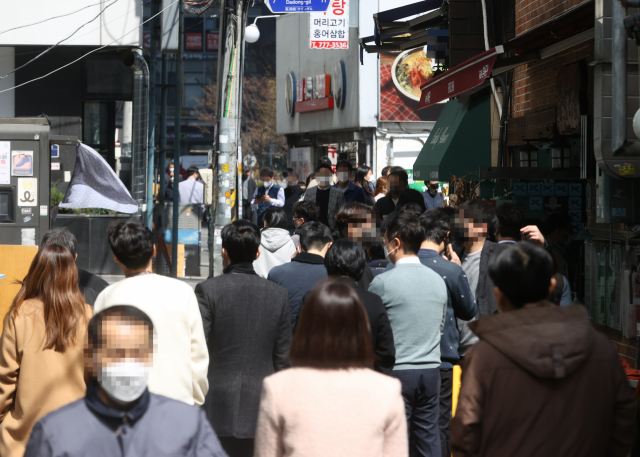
(459, 144)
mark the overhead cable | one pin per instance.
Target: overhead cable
(51, 18)
(90, 52)
(59, 42)
(191, 9)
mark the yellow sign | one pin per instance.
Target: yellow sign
(227, 194)
(240, 168)
(225, 168)
(626, 170)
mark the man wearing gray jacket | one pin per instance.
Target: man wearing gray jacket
(119, 416)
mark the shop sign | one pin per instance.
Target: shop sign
(193, 41)
(330, 29)
(309, 93)
(213, 41)
(296, 6)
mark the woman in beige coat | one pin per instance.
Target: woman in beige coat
(41, 365)
(331, 404)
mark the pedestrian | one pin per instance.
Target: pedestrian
(303, 213)
(510, 222)
(397, 181)
(542, 380)
(328, 197)
(460, 305)
(191, 189)
(357, 223)
(559, 234)
(267, 195)
(407, 197)
(364, 179)
(248, 328)
(380, 189)
(315, 180)
(292, 195)
(331, 404)
(90, 285)
(345, 261)
(276, 247)
(168, 187)
(377, 261)
(180, 366)
(352, 192)
(432, 198)
(385, 172)
(307, 268)
(416, 301)
(248, 190)
(119, 416)
(43, 332)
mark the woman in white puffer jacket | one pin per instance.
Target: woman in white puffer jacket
(276, 247)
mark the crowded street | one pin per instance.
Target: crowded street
(320, 228)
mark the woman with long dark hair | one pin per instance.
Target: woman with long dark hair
(331, 403)
(364, 179)
(41, 348)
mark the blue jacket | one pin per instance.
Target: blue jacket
(154, 426)
(432, 201)
(299, 276)
(461, 303)
(353, 194)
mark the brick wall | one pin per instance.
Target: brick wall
(624, 346)
(530, 13)
(534, 84)
(467, 36)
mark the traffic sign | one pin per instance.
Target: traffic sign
(297, 6)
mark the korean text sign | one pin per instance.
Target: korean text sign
(330, 30)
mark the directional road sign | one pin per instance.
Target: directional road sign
(297, 6)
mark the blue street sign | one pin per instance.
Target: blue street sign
(297, 6)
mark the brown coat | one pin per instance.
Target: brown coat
(542, 382)
(33, 381)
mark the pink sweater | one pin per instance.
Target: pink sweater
(306, 412)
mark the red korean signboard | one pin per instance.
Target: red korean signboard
(213, 41)
(193, 41)
(459, 79)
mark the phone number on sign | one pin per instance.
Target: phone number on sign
(329, 45)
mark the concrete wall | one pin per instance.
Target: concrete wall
(114, 24)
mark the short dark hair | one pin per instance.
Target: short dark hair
(292, 173)
(326, 165)
(411, 196)
(351, 212)
(333, 331)
(413, 208)
(62, 237)
(192, 170)
(401, 174)
(266, 171)
(308, 210)
(276, 217)
(383, 173)
(510, 218)
(131, 242)
(345, 163)
(314, 235)
(556, 222)
(435, 223)
(241, 239)
(127, 312)
(480, 212)
(523, 273)
(286, 172)
(406, 227)
(345, 258)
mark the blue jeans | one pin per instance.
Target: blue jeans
(421, 393)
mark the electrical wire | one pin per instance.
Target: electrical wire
(90, 52)
(51, 18)
(198, 11)
(59, 42)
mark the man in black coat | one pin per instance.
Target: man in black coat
(292, 194)
(397, 181)
(347, 261)
(247, 324)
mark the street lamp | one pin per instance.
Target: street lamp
(252, 32)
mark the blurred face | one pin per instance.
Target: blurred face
(266, 179)
(468, 230)
(324, 177)
(394, 186)
(363, 232)
(171, 171)
(292, 181)
(434, 185)
(369, 176)
(123, 358)
(343, 174)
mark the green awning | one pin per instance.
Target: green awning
(459, 144)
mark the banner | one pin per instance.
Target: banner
(330, 30)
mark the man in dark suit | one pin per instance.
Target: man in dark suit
(347, 261)
(292, 194)
(328, 198)
(247, 324)
(397, 181)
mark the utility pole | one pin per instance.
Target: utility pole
(152, 114)
(164, 95)
(176, 143)
(229, 103)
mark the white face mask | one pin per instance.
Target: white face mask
(285, 184)
(386, 252)
(124, 381)
(343, 176)
(266, 183)
(324, 180)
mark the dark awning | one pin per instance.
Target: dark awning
(459, 144)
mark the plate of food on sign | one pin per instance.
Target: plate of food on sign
(410, 70)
